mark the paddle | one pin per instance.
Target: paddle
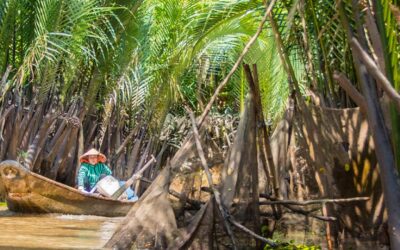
(131, 180)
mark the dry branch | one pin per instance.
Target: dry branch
(356, 96)
(310, 202)
(309, 213)
(244, 229)
(376, 72)
(301, 211)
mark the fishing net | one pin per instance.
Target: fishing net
(337, 145)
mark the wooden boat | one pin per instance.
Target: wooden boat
(28, 192)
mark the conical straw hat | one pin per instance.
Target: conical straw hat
(100, 157)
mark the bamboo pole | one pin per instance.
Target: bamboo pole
(131, 180)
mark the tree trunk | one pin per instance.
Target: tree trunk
(388, 174)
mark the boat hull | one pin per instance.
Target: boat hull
(27, 192)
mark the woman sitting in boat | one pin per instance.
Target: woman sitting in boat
(92, 168)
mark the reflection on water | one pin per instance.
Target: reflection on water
(54, 231)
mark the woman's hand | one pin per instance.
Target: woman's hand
(82, 189)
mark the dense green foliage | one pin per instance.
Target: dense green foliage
(160, 53)
(163, 53)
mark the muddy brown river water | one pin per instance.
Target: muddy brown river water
(60, 231)
(54, 231)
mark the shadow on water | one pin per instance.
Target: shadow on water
(54, 231)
